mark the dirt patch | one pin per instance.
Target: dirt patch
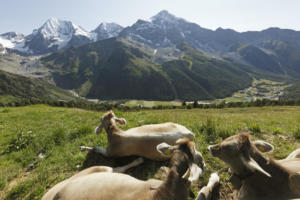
(226, 192)
(13, 183)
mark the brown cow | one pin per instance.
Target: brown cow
(260, 177)
(140, 141)
(105, 185)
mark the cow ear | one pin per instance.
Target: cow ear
(121, 121)
(110, 114)
(263, 146)
(198, 159)
(98, 129)
(165, 149)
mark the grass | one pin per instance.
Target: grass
(296, 134)
(39, 145)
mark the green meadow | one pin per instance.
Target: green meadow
(39, 145)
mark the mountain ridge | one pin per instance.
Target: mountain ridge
(116, 69)
(164, 30)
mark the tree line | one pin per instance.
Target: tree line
(103, 106)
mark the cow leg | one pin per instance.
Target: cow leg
(85, 148)
(100, 150)
(206, 192)
(97, 149)
(128, 166)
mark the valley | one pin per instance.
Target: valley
(58, 79)
(165, 58)
(259, 89)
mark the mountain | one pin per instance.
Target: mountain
(288, 55)
(163, 58)
(277, 34)
(196, 76)
(292, 92)
(9, 40)
(109, 69)
(55, 35)
(117, 69)
(165, 30)
(14, 86)
(107, 30)
(260, 59)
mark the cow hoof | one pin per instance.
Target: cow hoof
(82, 148)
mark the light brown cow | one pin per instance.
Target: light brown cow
(105, 185)
(96, 169)
(259, 177)
(141, 141)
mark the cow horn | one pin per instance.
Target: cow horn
(253, 166)
(186, 175)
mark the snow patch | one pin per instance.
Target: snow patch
(154, 52)
(6, 43)
(182, 34)
(108, 30)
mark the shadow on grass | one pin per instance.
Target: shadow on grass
(144, 171)
(216, 193)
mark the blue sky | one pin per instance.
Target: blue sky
(25, 15)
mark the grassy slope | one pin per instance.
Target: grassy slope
(116, 69)
(260, 59)
(292, 92)
(109, 69)
(25, 132)
(288, 55)
(14, 86)
(196, 76)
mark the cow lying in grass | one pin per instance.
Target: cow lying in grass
(259, 177)
(140, 141)
(96, 169)
(103, 184)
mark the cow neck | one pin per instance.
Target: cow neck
(112, 133)
(173, 188)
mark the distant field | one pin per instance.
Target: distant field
(39, 144)
(260, 89)
(150, 104)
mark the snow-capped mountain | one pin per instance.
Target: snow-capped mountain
(165, 30)
(107, 30)
(162, 30)
(9, 40)
(53, 35)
